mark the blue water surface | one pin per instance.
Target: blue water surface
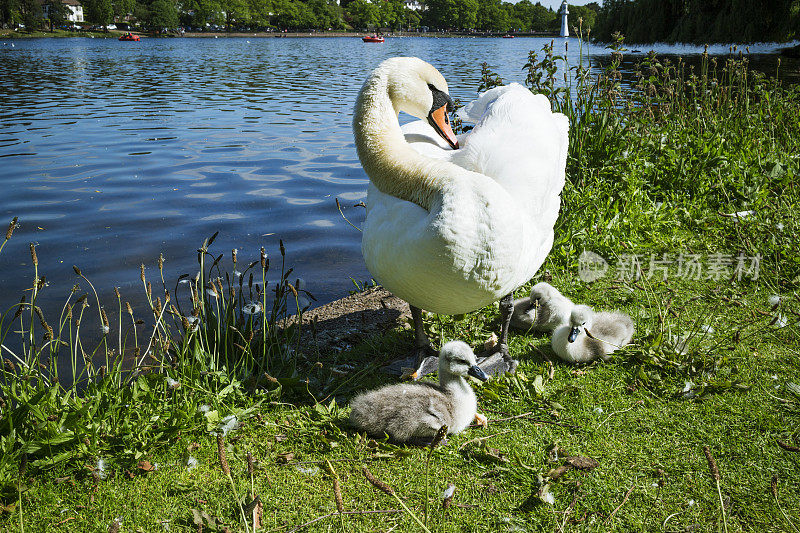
(114, 152)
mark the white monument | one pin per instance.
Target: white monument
(564, 11)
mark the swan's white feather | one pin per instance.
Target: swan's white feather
(492, 227)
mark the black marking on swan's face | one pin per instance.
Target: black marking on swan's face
(440, 99)
(438, 117)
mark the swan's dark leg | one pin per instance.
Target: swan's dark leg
(497, 365)
(422, 345)
(506, 310)
(422, 360)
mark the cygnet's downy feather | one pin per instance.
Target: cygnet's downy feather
(544, 310)
(608, 331)
(416, 410)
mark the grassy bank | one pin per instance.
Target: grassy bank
(684, 185)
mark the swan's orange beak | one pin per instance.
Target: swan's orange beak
(441, 123)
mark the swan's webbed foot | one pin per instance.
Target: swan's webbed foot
(497, 361)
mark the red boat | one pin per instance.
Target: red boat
(129, 37)
(372, 39)
(506, 36)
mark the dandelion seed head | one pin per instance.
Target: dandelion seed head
(173, 383)
(781, 322)
(191, 463)
(548, 498)
(598, 409)
(774, 300)
(691, 503)
(449, 491)
(204, 408)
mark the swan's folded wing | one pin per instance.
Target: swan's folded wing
(520, 143)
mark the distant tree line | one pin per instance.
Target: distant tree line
(497, 16)
(699, 21)
(253, 15)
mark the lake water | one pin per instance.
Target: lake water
(113, 152)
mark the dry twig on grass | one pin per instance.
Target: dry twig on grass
(627, 495)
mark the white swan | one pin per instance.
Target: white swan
(451, 231)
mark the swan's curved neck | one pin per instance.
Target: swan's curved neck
(391, 164)
(454, 383)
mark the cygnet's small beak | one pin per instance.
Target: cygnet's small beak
(441, 123)
(573, 334)
(476, 372)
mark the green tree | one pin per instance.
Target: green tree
(123, 8)
(533, 17)
(452, 14)
(411, 18)
(491, 16)
(99, 11)
(362, 14)
(30, 13)
(9, 10)
(390, 14)
(57, 13)
(585, 16)
(201, 12)
(237, 13)
(699, 21)
(160, 15)
(260, 12)
(327, 14)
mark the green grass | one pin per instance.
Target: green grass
(641, 431)
(651, 171)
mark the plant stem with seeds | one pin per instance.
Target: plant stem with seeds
(386, 489)
(712, 465)
(226, 469)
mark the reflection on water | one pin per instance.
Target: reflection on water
(113, 152)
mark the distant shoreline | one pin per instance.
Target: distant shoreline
(4, 34)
